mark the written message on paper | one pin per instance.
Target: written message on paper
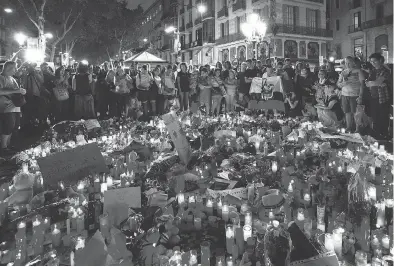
(73, 164)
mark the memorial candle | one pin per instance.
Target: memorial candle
(22, 227)
(80, 221)
(192, 202)
(56, 237)
(386, 242)
(229, 239)
(225, 212)
(337, 239)
(329, 242)
(219, 206)
(109, 181)
(181, 199)
(36, 226)
(197, 223)
(199, 203)
(104, 187)
(248, 218)
(230, 261)
(247, 232)
(380, 214)
(274, 166)
(209, 207)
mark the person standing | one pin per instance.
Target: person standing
(351, 81)
(169, 91)
(183, 81)
(243, 86)
(9, 113)
(123, 86)
(145, 95)
(61, 105)
(379, 86)
(217, 91)
(205, 86)
(84, 102)
(231, 86)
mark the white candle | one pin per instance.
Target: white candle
(230, 261)
(197, 223)
(290, 187)
(380, 214)
(22, 227)
(209, 207)
(81, 187)
(340, 169)
(181, 199)
(381, 148)
(225, 212)
(36, 226)
(307, 197)
(104, 187)
(244, 208)
(337, 239)
(56, 237)
(247, 232)
(386, 242)
(68, 226)
(329, 242)
(229, 239)
(219, 206)
(300, 215)
(192, 202)
(80, 223)
(257, 145)
(248, 218)
(109, 181)
(321, 227)
(72, 263)
(274, 166)
(343, 130)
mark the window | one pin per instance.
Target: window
(337, 24)
(238, 24)
(190, 38)
(222, 29)
(311, 18)
(356, 3)
(357, 20)
(358, 47)
(183, 22)
(379, 11)
(227, 28)
(224, 3)
(289, 16)
(337, 4)
(191, 16)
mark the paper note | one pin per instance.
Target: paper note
(72, 165)
(91, 124)
(178, 137)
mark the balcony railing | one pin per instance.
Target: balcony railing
(316, 1)
(378, 22)
(208, 14)
(259, 1)
(185, 46)
(240, 4)
(223, 12)
(189, 25)
(230, 38)
(355, 28)
(302, 30)
(197, 21)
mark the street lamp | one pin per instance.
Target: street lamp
(254, 30)
(8, 10)
(145, 40)
(48, 35)
(20, 38)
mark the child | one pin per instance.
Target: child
(330, 114)
(217, 91)
(293, 106)
(205, 86)
(309, 111)
(133, 107)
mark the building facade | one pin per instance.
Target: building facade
(196, 32)
(4, 44)
(361, 27)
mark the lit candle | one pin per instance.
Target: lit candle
(22, 227)
(343, 130)
(80, 223)
(307, 197)
(386, 242)
(199, 203)
(337, 239)
(56, 237)
(329, 242)
(290, 187)
(247, 232)
(300, 215)
(361, 258)
(340, 169)
(230, 261)
(181, 199)
(109, 181)
(47, 223)
(308, 226)
(81, 187)
(257, 146)
(244, 208)
(380, 214)
(274, 166)
(36, 226)
(225, 212)
(248, 218)
(229, 238)
(197, 223)
(192, 202)
(321, 226)
(381, 148)
(193, 258)
(219, 206)
(104, 187)
(209, 207)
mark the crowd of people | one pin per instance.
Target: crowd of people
(30, 96)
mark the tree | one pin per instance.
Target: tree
(58, 15)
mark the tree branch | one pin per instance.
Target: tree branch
(35, 23)
(34, 5)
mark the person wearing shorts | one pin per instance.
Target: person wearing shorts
(9, 113)
(144, 81)
(351, 81)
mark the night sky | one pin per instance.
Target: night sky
(145, 3)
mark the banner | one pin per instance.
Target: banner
(72, 165)
(266, 105)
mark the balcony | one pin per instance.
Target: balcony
(355, 28)
(197, 21)
(302, 30)
(182, 10)
(316, 1)
(223, 12)
(240, 4)
(230, 38)
(259, 1)
(378, 22)
(165, 47)
(182, 28)
(185, 46)
(208, 14)
(189, 25)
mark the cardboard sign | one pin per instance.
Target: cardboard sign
(72, 165)
(267, 105)
(326, 259)
(91, 124)
(178, 137)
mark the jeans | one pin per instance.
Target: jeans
(184, 100)
(216, 101)
(230, 102)
(380, 114)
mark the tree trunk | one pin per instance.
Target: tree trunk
(53, 52)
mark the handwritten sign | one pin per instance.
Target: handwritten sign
(178, 137)
(267, 105)
(73, 164)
